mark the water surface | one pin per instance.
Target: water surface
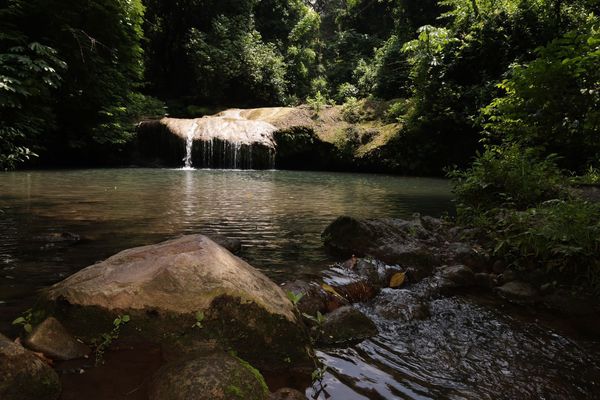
(466, 349)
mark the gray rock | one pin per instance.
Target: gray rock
(465, 254)
(486, 281)
(346, 325)
(517, 292)
(52, 339)
(460, 275)
(215, 376)
(287, 394)
(23, 376)
(393, 241)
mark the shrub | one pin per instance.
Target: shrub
(397, 111)
(352, 110)
(559, 237)
(508, 177)
(345, 91)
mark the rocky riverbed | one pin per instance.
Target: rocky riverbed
(412, 294)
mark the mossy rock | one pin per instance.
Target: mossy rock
(23, 376)
(212, 376)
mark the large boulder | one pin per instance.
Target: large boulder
(215, 376)
(184, 290)
(23, 376)
(393, 241)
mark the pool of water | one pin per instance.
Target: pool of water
(465, 350)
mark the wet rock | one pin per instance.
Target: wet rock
(431, 223)
(216, 376)
(486, 281)
(459, 275)
(466, 254)
(314, 298)
(375, 272)
(52, 339)
(498, 267)
(233, 245)
(346, 325)
(403, 305)
(507, 276)
(416, 275)
(23, 376)
(518, 292)
(393, 241)
(164, 286)
(287, 394)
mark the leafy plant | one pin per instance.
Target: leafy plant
(317, 102)
(199, 318)
(25, 320)
(507, 176)
(294, 297)
(106, 339)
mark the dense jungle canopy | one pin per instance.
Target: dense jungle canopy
(457, 75)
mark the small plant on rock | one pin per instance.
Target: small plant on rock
(107, 338)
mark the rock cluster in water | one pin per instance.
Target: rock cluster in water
(210, 311)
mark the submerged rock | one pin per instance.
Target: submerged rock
(181, 290)
(404, 305)
(23, 376)
(215, 376)
(346, 325)
(52, 339)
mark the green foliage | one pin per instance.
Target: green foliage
(29, 73)
(398, 110)
(233, 55)
(553, 102)
(507, 176)
(106, 339)
(345, 91)
(294, 297)
(352, 110)
(199, 318)
(560, 238)
(28, 319)
(317, 103)
(590, 177)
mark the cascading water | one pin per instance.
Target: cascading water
(227, 140)
(189, 143)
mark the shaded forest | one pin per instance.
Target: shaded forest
(458, 75)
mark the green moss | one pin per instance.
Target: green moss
(235, 391)
(257, 375)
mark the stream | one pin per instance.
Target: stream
(53, 223)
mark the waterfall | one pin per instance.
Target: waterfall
(227, 140)
(189, 143)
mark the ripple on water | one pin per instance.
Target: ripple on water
(463, 351)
